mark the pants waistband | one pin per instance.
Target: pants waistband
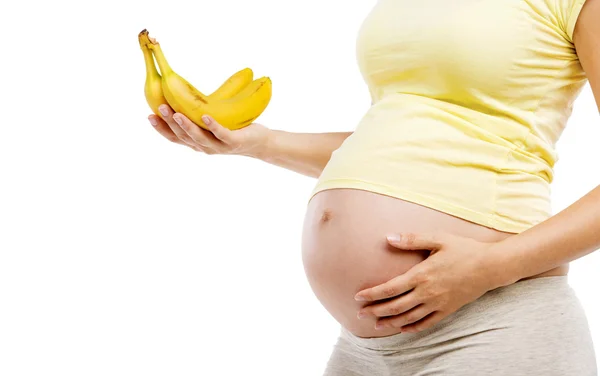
(535, 293)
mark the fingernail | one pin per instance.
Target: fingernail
(177, 119)
(163, 110)
(206, 119)
(359, 298)
(379, 326)
(153, 121)
(361, 315)
(394, 238)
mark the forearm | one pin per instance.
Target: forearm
(305, 153)
(569, 235)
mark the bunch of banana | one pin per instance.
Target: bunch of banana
(234, 105)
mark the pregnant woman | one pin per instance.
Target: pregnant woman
(429, 235)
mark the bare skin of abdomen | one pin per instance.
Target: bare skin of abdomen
(344, 248)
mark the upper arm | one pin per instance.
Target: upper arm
(586, 38)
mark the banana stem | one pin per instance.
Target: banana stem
(160, 59)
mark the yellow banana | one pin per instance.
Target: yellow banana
(235, 112)
(233, 85)
(153, 85)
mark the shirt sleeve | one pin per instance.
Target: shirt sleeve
(567, 12)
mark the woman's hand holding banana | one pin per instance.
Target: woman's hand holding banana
(219, 123)
(235, 104)
(249, 141)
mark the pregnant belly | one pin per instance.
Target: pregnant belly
(344, 247)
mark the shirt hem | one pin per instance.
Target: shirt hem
(488, 220)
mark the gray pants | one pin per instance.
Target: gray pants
(530, 328)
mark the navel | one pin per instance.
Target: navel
(326, 216)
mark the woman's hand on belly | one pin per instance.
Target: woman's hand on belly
(344, 249)
(458, 271)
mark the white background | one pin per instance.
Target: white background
(125, 254)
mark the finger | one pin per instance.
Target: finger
(425, 323)
(412, 241)
(202, 137)
(406, 318)
(162, 128)
(167, 114)
(219, 131)
(391, 288)
(392, 308)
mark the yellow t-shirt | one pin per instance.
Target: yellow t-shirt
(469, 99)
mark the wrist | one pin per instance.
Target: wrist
(500, 267)
(263, 151)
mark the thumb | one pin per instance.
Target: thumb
(411, 241)
(219, 131)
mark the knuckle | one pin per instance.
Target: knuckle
(431, 292)
(174, 139)
(393, 310)
(389, 291)
(421, 277)
(442, 301)
(393, 323)
(410, 318)
(410, 238)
